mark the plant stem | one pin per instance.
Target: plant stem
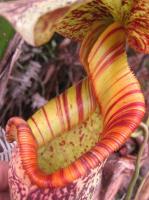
(141, 186)
(137, 169)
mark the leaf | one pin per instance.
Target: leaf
(6, 34)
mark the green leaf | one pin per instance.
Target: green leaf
(6, 34)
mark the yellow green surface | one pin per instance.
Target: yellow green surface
(66, 148)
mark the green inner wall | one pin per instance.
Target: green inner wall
(66, 148)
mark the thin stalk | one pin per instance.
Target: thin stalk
(137, 169)
(141, 186)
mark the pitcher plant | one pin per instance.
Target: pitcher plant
(61, 149)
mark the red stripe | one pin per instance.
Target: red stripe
(79, 102)
(63, 178)
(122, 114)
(85, 163)
(125, 116)
(108, 53)
(102, 41)
(116, 81)
(48, 122)
(114, 133)
(37, 128)
(60, 113)
(125, 107)
(114, 138)
(115, 143)
(130, 84)
(92, 157)
(88, 40)
(119, 99)
(75, 169)
(65, 103)
(91, 96)
(126, 123)
(119, 49)
(108, 148)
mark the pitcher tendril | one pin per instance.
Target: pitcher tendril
(103, 27)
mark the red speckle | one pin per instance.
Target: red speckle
(51, 149)
(81, 137)
(72, 143)
(62, 143)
